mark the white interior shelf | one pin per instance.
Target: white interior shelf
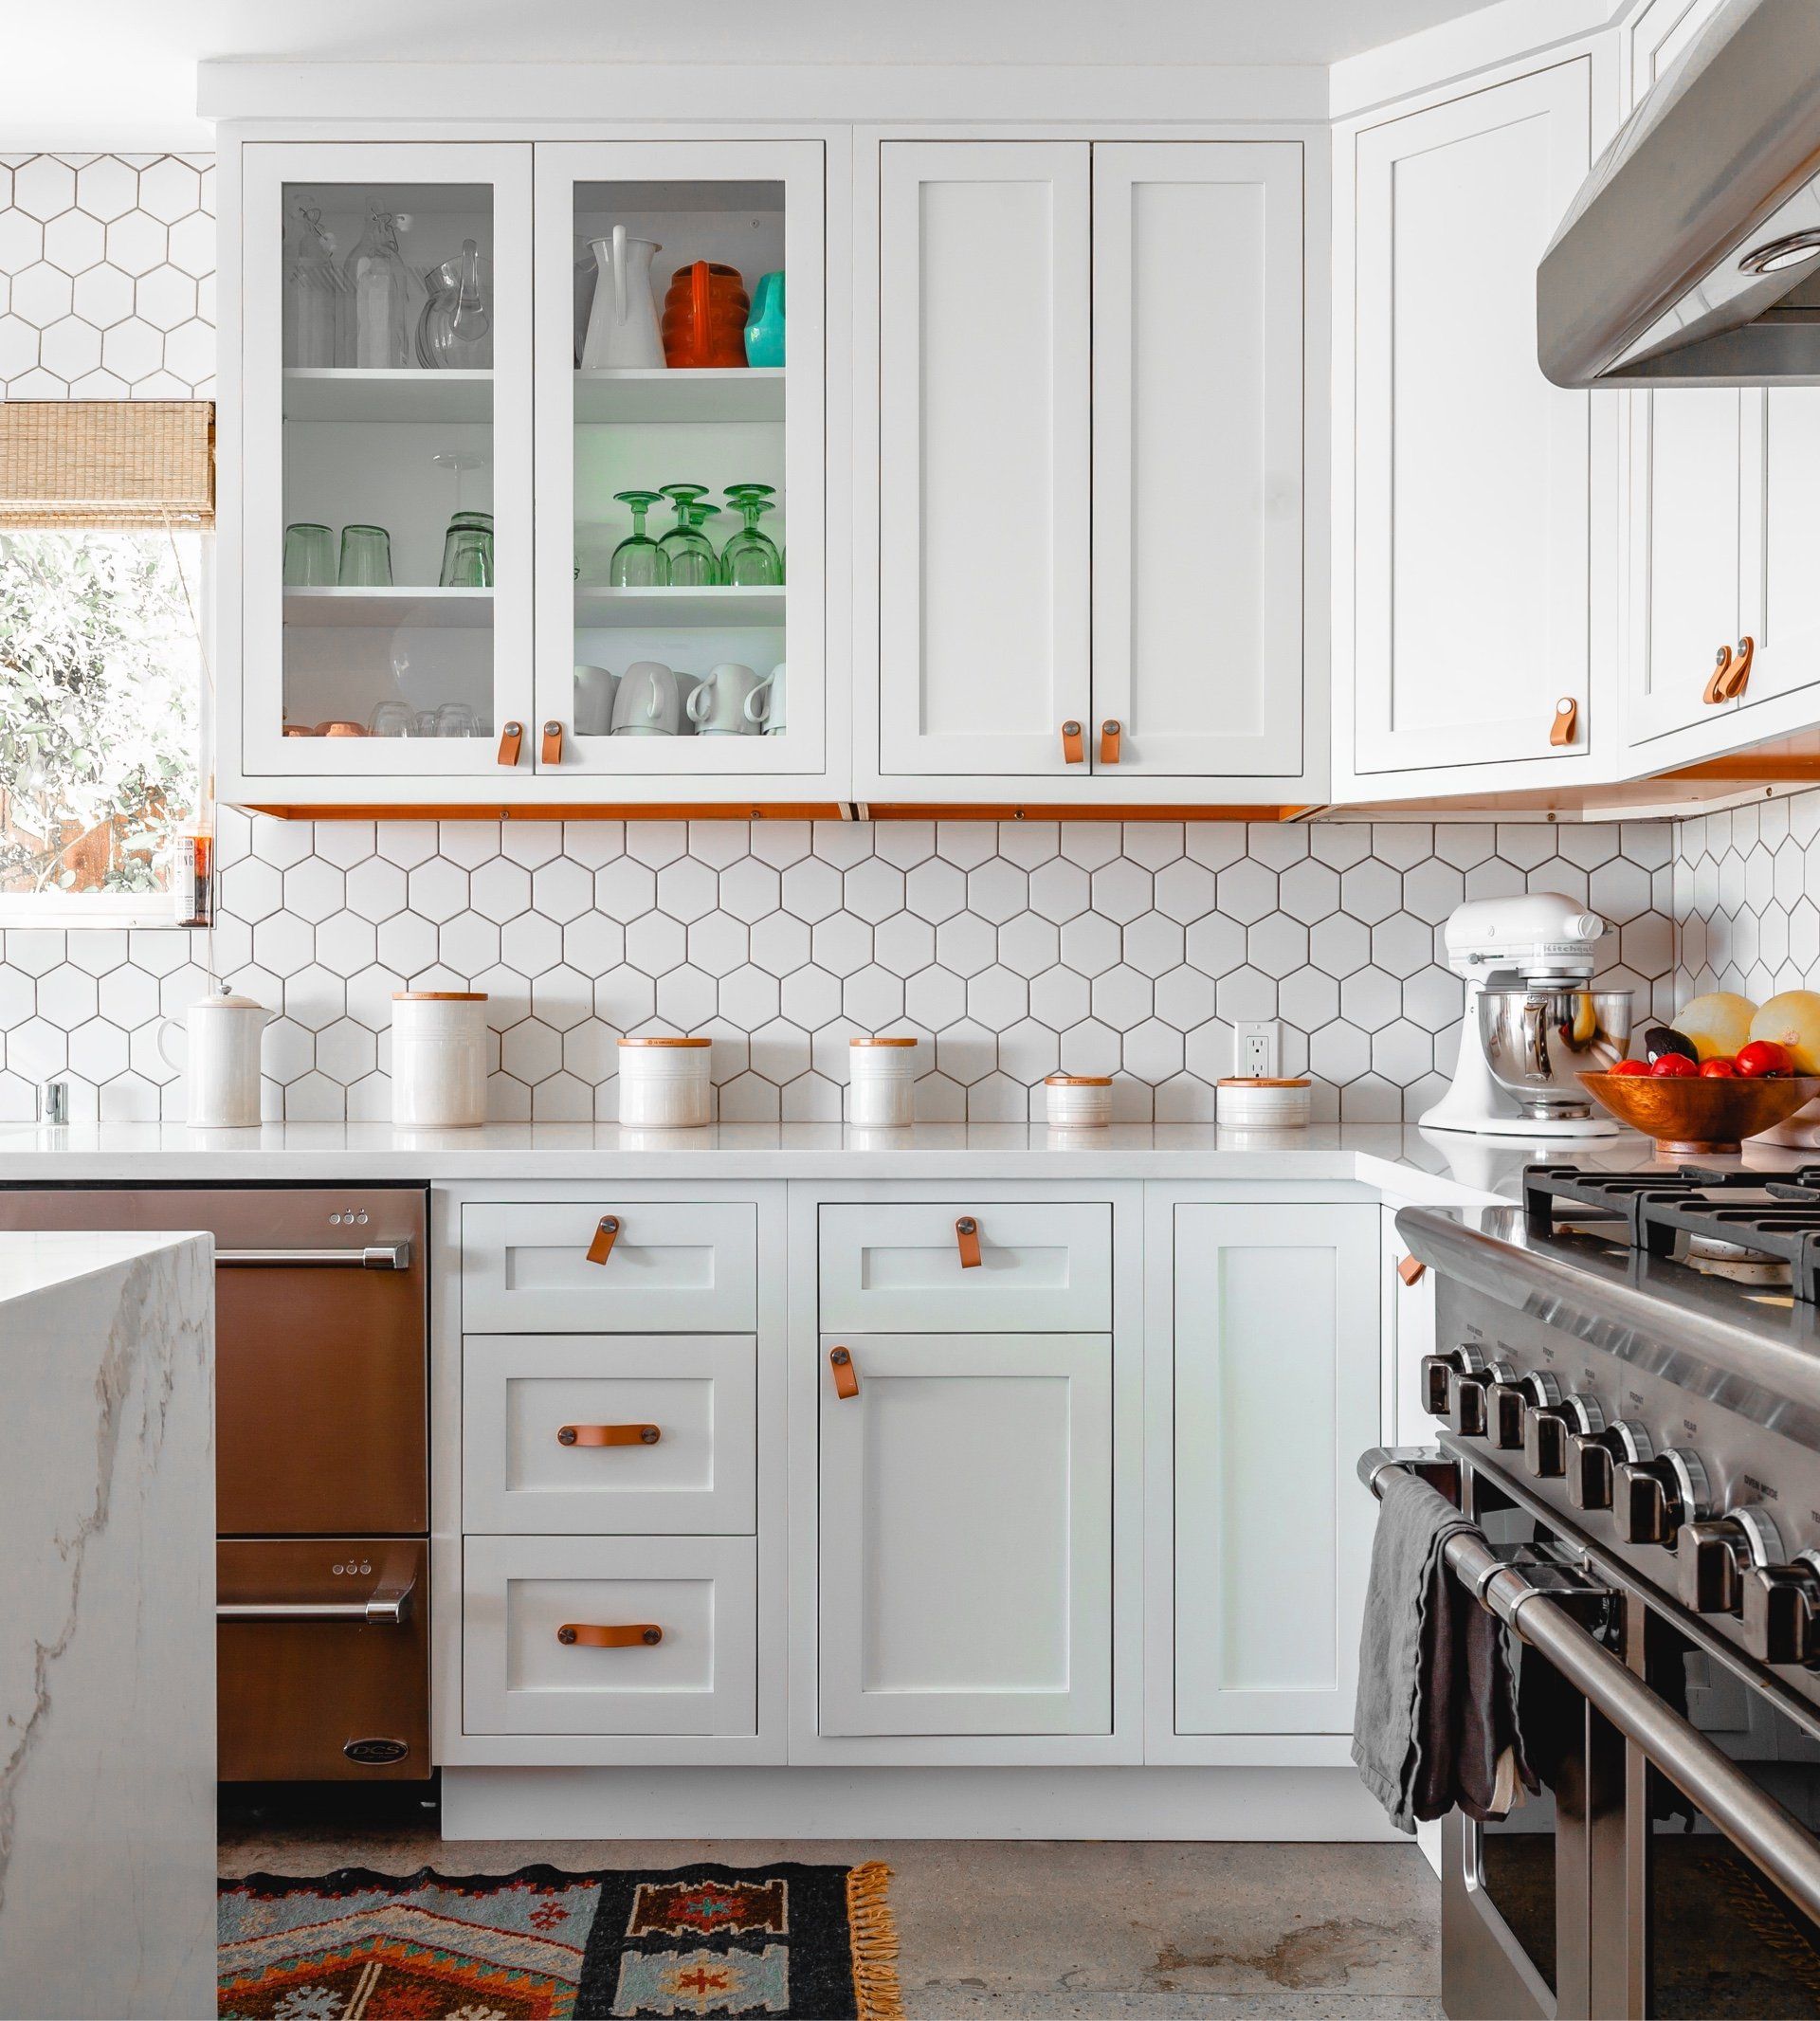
(351, 394)
(696, 609)
(715, 394)
(390, 609)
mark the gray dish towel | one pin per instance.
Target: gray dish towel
(1435, 1724)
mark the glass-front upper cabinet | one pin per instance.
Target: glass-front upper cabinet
(387, 460)
(680, 463)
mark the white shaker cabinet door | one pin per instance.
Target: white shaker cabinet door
(1778, 608)
(1472, 604)
(1277, 1393)
(966, 1535)
(984, 455)
(1197, 457)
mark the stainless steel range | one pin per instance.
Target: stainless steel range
(1629, 1385)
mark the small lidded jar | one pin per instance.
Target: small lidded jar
(665, 1084)
(1079, 1102)
(438, 1058)
(881, 1074)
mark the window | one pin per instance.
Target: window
(102, 537)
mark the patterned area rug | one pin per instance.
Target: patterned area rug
(797, 1943)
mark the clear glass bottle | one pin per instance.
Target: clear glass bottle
(456, 328)
(379, 299)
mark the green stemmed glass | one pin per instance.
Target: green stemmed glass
(639, 562)
(750, 558)
(694, 564)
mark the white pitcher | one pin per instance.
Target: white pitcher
(622, 325)
(222, 1073)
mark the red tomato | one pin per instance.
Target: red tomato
(1760, 1057)
(1631, 1066)
(1672, 1067)
(1717, 1070)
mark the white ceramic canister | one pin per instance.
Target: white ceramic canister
(665, 1084)
(881, 1074)
(1255, 1104)
(1079, 1102)
(221, 1075)
(438, 1058)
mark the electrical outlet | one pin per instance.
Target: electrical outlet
(1257, 1051)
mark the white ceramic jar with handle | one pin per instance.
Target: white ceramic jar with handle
(665, 1084)
(881, 1075)
(221, 1073)
(438, 1058)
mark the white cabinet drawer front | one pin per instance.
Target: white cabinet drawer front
(1044, 1266)
(966, 1537)
(519, 1593)
(675, 1267)
(697, 1394)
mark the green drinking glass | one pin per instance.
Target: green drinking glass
(639, 562)
(750, 558)
(694, 564)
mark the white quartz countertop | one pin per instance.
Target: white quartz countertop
(1402, 1161)
(32, 1261)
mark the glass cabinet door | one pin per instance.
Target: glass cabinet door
(387, 491)
(680, 444)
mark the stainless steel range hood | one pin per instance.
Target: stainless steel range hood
(1692, 254)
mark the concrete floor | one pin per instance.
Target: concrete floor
(1039, 1932)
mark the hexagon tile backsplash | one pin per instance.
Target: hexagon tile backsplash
(1012, 948)
(1747, 880)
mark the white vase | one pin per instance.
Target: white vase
(622, 331)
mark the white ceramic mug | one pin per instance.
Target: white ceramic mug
(594, 702)
(764, 706)
(647, 704)
(222, 1073)
(717, 707)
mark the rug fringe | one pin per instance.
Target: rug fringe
(874, 1935)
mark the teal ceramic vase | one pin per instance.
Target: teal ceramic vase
(765, 332)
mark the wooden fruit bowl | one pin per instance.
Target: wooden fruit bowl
(1688, 1117)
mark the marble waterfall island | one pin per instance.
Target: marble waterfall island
(107, 1640)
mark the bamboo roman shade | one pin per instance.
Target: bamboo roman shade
(106, 462)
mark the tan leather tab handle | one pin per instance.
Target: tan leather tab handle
(511, 741)
(1567, 722)
(593, 1635)
(606, 1234)
(1074, 744)
(1715, 689)
(1411, 1268)
(846, 1377)
(608, 1435)
(966, 1235)
(550, 750)
(1739, 673)
(1110, 733)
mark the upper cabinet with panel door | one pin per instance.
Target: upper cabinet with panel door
(1090, 471)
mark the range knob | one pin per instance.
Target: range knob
(1469, 1397)
(1783, 1610)
(1651, 1499)
(1713, 1558)
(1438, 1371)
(1548, 1428)
(1510, 1404)
(1593, 1458)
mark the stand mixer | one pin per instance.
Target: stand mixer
(1532, 1021)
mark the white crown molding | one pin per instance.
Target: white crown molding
(1458, 48)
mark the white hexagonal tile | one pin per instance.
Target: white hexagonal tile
(1620, 889)
(1244, 994)
(1090, 1048)
(1121, 890)
(1371, 999)
(594, 943)
(345, 942)
(1153, 943)
(42, 186)
(1277, 944)
(405, 843)
(1402, 1052)
(1027, 844)
(1029, 1050)
(128, 1098)
(1184, 997)
(170, 189)
(1090, 844)
(1339, 1053)
(1434, 997)
(686, 998)
(37, 1048)
(106, 187)
(811, 890)
(997, 1098)
(780, 1050)
(531, 1051)
(66, 995)
(75, 242)
(719, 943)
(1649, 943)
(345, 1052)
(19, 343)
(655, 944)
(997, 890)
(313, 888)
(1153, 1051)
(1248, 890)
(841, 944)
(287, 1051)
(966, 944)
(99, 386)
(1061, 997)
(283, 943)
(903, 943)
(407, 943)
(1184, 891)
(531, 943)
(1027, 944)
(624, 889)
(590, 1050)
(41, 294)
(36, 950)
(370, 992)
(22, 241)
(1495, 879)
(1340, 944)
(1402, 843)
(718, 844)
(1464, 842)
(97, 949)
(997, 997)
(1091, 944)
(1121, 997)
(1432, 889)
(810, 998)
(873, 998)
(1307, 999)
(842, 842)
(933, 997)
(780, 944)
(966, 1052)
(37, 384)
(376, 889)
(966, 843)
(315, 996)
(657, 843)
(346, 842)
(781, 842)
(190, 360)
(1402, 944)
(439, 889)
(530, 843)
(18, 998)
(625, 997)
(468, 943)
(750, 889)
(164, 298)
(136, 243)
(873, 889)
(687, 889)
(1214, 944)
(1371, 891)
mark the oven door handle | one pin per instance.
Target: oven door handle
(376, 1256)
(385, 1607)
(1770, 1837)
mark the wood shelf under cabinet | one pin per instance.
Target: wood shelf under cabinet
(747, 392)
(349, 394)
(390, 609)
(696, 609)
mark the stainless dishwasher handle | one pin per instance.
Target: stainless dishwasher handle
(376, 1256)
(390, 1607)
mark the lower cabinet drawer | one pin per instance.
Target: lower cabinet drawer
(610, 1433)
(534, 1609)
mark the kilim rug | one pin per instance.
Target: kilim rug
(800, 1943)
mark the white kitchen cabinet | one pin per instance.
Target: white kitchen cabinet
(1408, 1318)
(1277, 1390)
(1478, 554)
(966, 1535)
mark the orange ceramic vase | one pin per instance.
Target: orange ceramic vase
(704, 318)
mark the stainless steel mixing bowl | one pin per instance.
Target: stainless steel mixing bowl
(1539, 1036)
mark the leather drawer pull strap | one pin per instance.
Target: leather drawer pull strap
(1715, 689)
(846, 1377)
(551, 752)
(606, 1234)
(511, 742)
(1074, 747)
(966, 1235)
(1411, 1268)
(633, 1636)
(1739, 673)
(1110, 733)
(608, 1435)
(1567, 721)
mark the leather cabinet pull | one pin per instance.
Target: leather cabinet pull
(1739, 673)
(551, 752)
(967, 1236)
(1410, 1269)
(1715, 689)
(1110, 733)
(593, 1635)
(846, 1377)
(608, 1435)
(511, 740)
(606, 1234)
(1074, 746)
(1566, 725)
